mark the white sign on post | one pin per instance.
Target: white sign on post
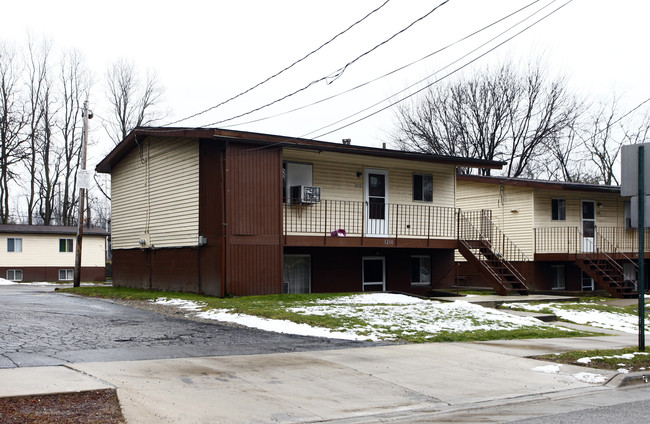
(83, 179)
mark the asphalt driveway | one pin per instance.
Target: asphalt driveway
(41, 327)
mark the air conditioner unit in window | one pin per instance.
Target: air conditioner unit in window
(305, 194)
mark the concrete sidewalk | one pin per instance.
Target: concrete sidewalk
(348, 385)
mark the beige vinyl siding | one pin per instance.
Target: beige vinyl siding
(511, 206)
(609, 214)
(155, 195)
(41, 250)
(343, 196)
(336, 174)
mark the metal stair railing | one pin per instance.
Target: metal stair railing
(477, 225)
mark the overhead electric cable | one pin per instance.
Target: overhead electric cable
(445, 76)
(334, 75)
(401, 68)
(281, 71)
(438, 71)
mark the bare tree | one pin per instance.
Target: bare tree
(132, 102)
(494, 115)
(12, 149)
(75, 83)
(37, 62)
(605, 131)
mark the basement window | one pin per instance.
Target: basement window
(66, 274)
(15, 274)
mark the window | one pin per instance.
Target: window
(559, 281)
(15, 274)
(423, 187)
(14, 244)
(65, 245)
(558, 209)
(295, 174)
(66, 274)
(420, 270)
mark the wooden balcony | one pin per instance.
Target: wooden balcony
(358, 223)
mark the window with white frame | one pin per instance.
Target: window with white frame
(14, 244)
(65, 245)
(420, 270)
(15, 274)
(559, 277)
(558, 209)
(423, 187)
(66, 274)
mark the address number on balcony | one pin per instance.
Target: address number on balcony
(389, 242)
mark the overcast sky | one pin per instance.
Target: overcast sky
(204, 52)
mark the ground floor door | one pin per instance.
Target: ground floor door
(374, 273)
(297, 274)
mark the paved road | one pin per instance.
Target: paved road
(42, 327)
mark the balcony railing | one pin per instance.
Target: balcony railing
(357, 218)
(571, 241)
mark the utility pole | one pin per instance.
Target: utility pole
(83, 186)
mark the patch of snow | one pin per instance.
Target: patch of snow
(385, 315)
(188, 305)
(549, 369)
(625, 323)
(278, 326)
(373, 299)
(623, 370)
(584, 360)
(4, 282)
(588, 377)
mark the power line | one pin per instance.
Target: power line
(283, 70)
(443, 77)
(332, 76)
(402, 67)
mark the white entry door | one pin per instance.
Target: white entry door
(588, 226)
(376, 202)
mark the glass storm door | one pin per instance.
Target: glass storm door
(374, 273)
(588, 226)
(376, 204)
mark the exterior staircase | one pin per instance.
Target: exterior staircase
(484, 245)
(607, 272)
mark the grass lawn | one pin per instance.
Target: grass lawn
(401, 323)
(628, 359)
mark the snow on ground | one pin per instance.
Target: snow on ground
(625, 323)
(385, 315)
(187, 305)
(585, 377)
(4, 282)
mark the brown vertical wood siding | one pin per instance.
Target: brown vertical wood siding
(253, 216)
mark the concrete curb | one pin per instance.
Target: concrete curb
(629, 379)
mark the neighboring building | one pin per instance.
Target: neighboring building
(47, 253)
(568, 236)
(234, 213)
